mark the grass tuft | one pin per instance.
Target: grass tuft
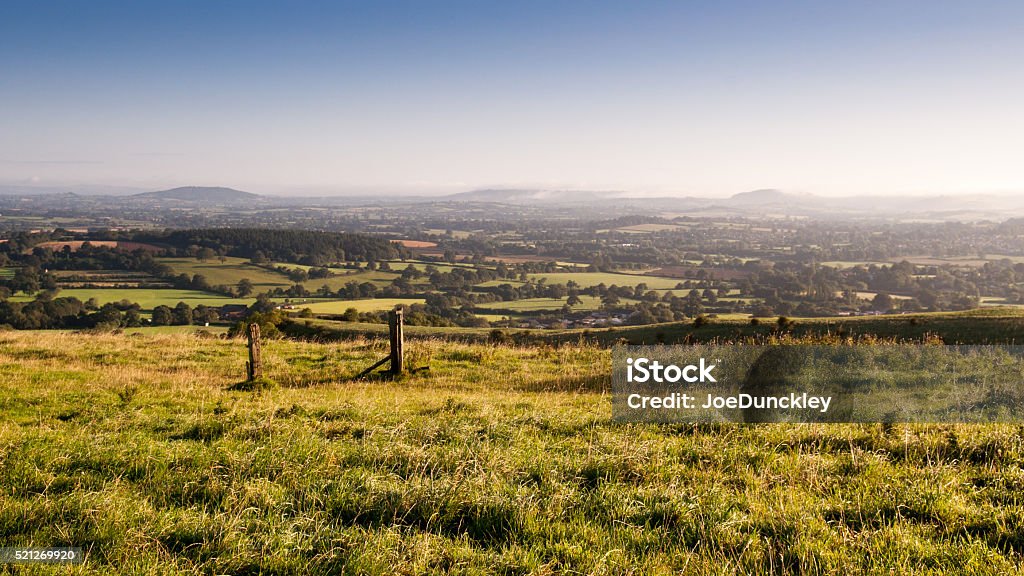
(254, 385)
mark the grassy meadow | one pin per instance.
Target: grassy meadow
(365, 305)
(588, 279)
(229, 272)
(146, 298)
(496, 459)
(544, 304)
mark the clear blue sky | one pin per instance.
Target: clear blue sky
(706, 98)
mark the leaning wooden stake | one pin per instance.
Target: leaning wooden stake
(397, 341)
(397, 354)
(372, 368)
(255, 364)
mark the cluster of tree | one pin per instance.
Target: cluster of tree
(511, 292)
(268, 320)
(413, 281)
(438, 310)
(423, 315)
(774, 266)
(46, 313)
(86, 257)
(298, 275)
(262, 246)
(357, 290)
(814, 290)
(27, 279)
(183, 315)
(455, 279)
(199, 282)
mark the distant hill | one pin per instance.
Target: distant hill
(766, 196)
(754, 198)
(523, 196)
(764, 202)
(211, 194)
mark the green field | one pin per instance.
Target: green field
(146, 298)
(376, 277)
(398, 265)
(234, 269)
(864, 295)
(229, 272)
(988, 301)
(368, 305)
(494, 317)
(496, 460)
(587, 279)
(493, 283)
(305, 267)
(542, 304)
(395, 265)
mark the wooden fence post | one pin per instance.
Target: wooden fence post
(255, 364)
(397, 341)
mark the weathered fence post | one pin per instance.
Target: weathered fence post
(397, 355)
(255, 364)
(397, 340)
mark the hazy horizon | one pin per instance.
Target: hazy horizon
(87, 189)
(650, 98)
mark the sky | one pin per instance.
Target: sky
(386, 97)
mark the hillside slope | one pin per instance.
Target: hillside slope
(210, 194)
(497, 459)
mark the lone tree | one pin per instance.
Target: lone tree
(574, 299)
(245, 287)
(882, 302)
(784, 324)
(610, 300)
